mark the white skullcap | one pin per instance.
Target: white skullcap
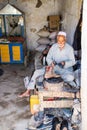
(61, 33)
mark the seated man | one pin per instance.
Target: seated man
(61, 59)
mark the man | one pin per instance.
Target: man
(61, 58)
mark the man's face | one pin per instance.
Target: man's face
(61, 40)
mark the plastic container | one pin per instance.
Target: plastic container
(34, 104)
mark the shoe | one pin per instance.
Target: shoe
(26, 81)
(64, 125)
(47, 119)
(67, 87)
(45, 127)
(55, 124)
(32, 128)
(33, 124)
(67, 112)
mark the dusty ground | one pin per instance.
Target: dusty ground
(14, 111)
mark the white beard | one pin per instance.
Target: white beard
(61, 46)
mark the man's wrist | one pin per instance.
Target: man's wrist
(62, 64)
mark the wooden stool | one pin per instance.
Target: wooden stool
(65, 100)
(59, 98)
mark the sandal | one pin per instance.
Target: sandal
(64, 125)
(55, 124)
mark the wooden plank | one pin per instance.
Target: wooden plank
(56, 94)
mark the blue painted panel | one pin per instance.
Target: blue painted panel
(20, 45)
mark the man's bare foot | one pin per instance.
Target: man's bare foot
(25, 94)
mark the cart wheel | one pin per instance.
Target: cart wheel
(25, 61)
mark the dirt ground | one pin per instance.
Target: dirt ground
(14, 111)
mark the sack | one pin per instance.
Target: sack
(53, 41)
(40, 48)
(43, 33)
(53, 35)
(43, 40)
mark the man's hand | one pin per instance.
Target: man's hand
(61, 65)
